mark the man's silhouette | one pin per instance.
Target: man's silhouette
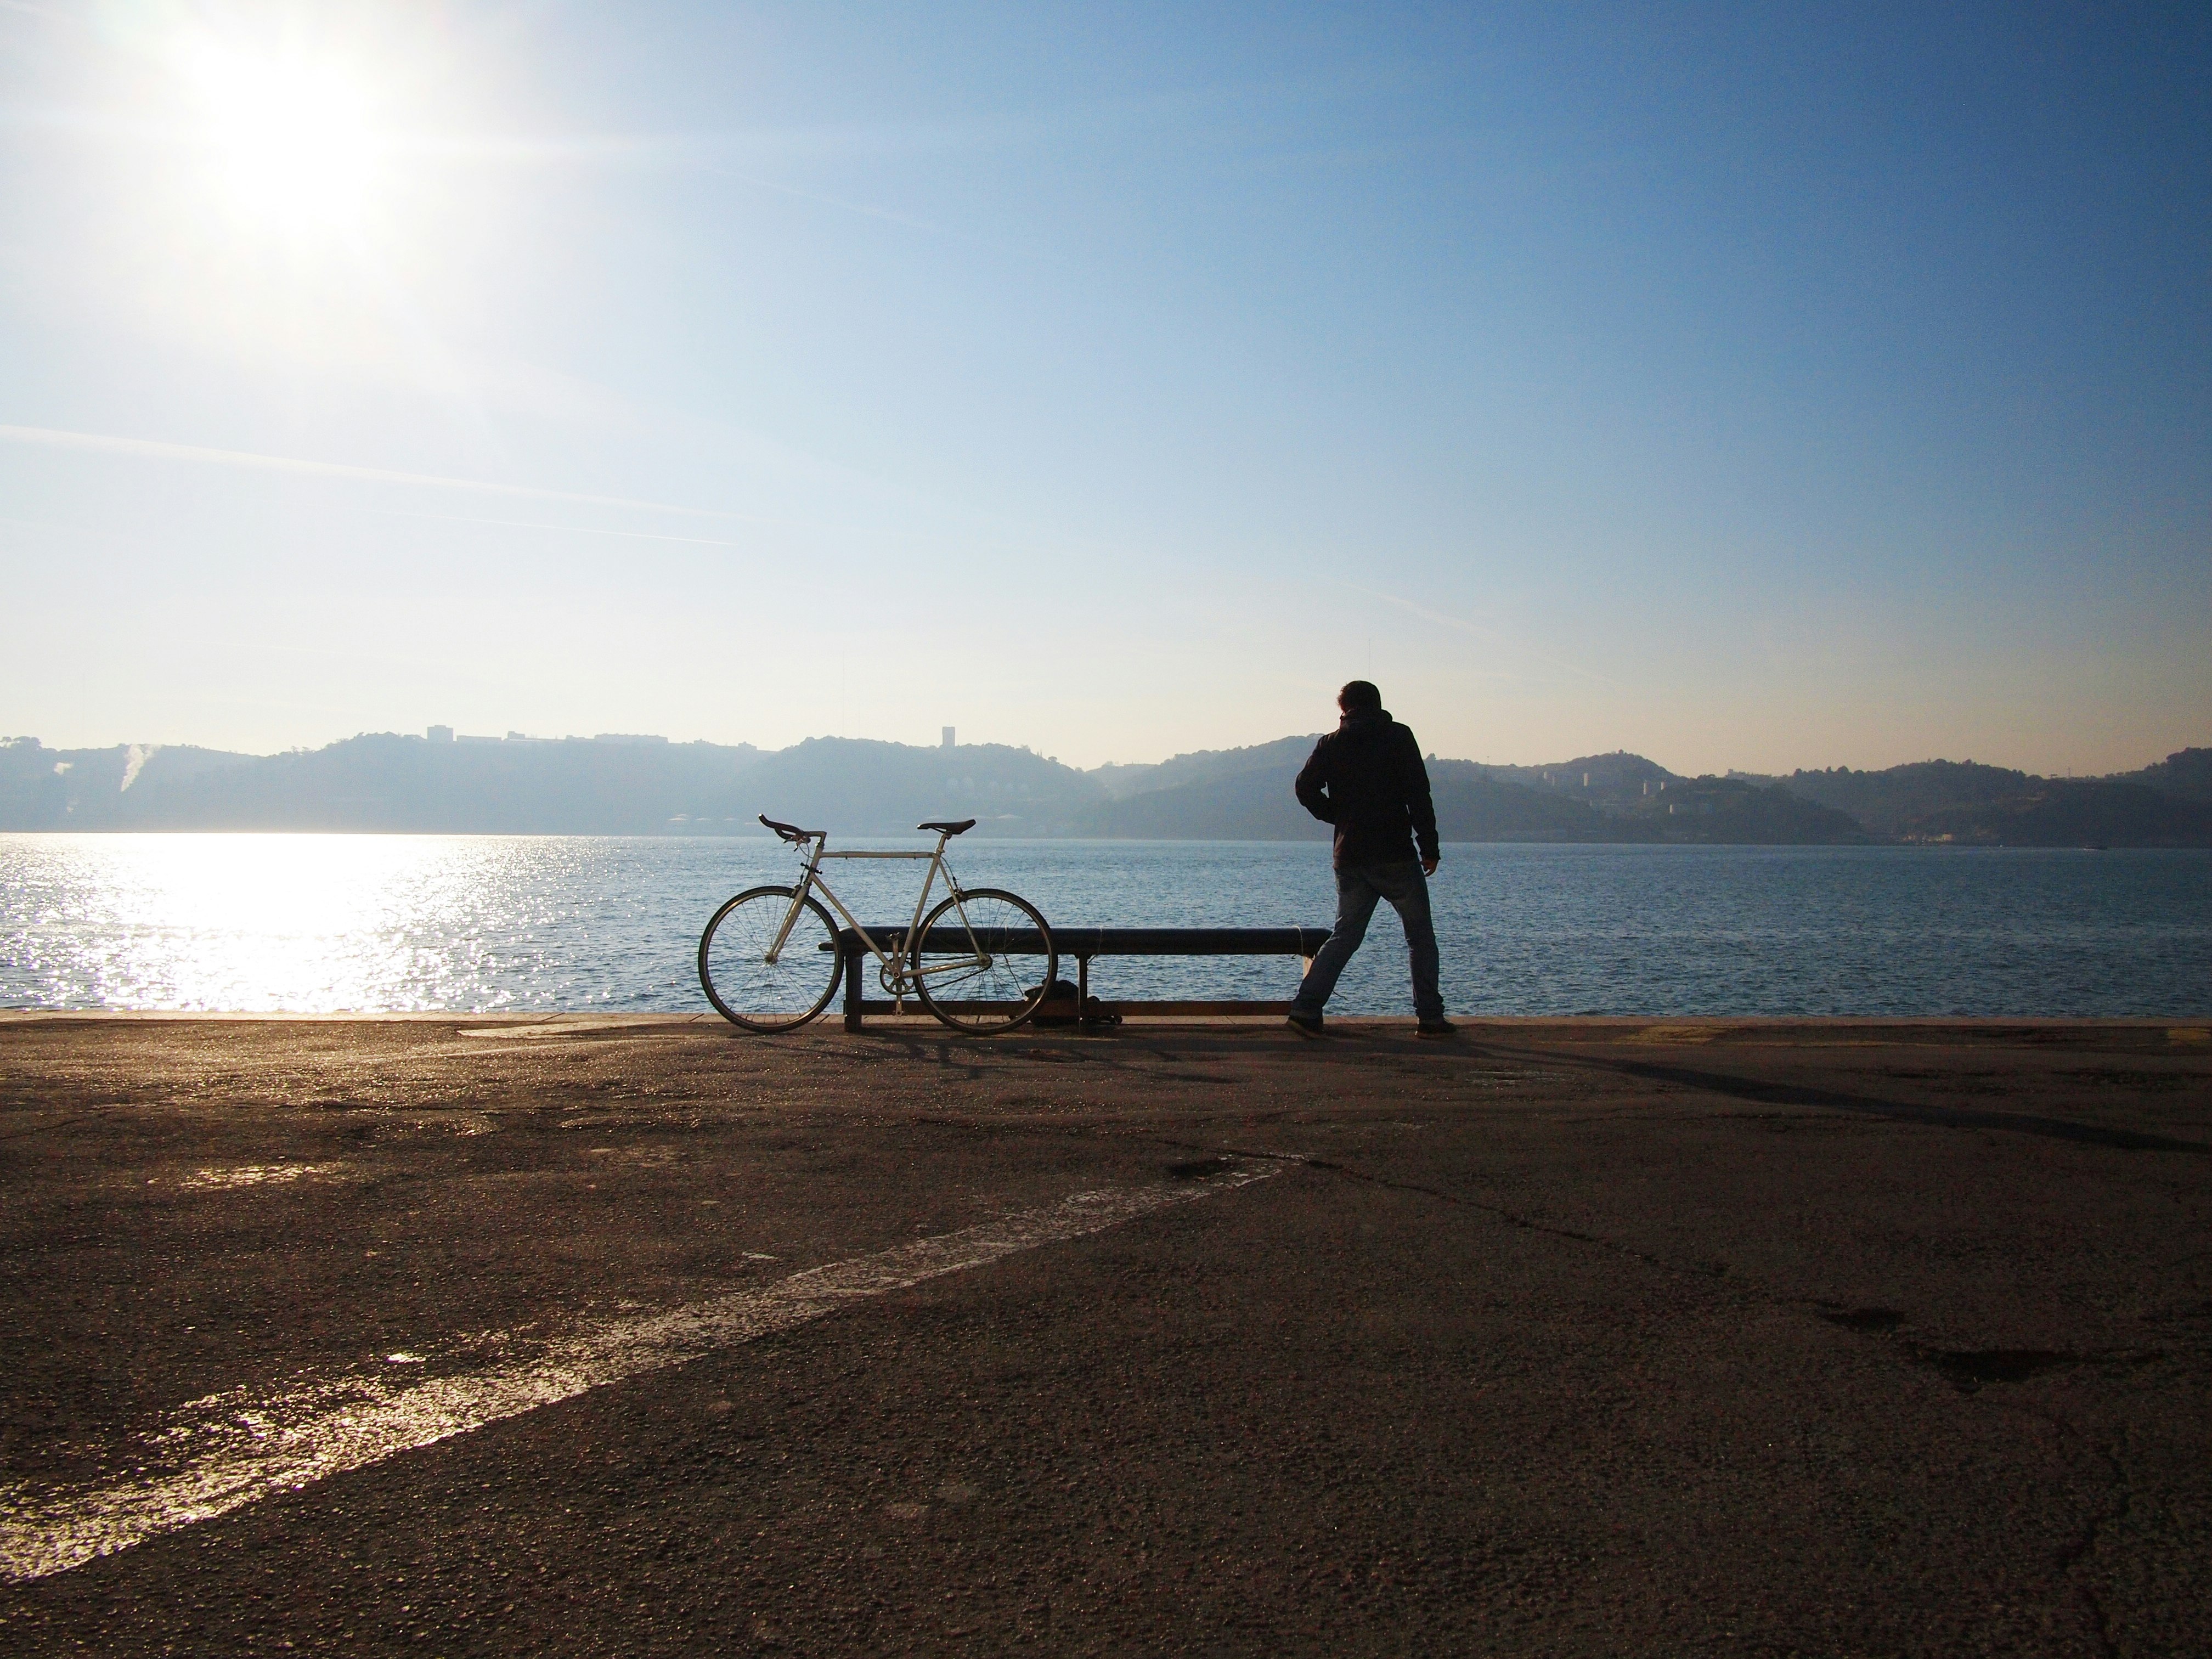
(1367, 779)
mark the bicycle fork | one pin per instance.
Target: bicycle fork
(797, 903)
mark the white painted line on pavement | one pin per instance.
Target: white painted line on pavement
(233, 1448)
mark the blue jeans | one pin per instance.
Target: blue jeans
(1358, 888)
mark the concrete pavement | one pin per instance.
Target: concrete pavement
(612, 1335)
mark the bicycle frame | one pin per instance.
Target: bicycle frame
(901, 974)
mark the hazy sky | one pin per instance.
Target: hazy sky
(1751, 385)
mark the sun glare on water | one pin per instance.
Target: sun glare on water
(296, 923)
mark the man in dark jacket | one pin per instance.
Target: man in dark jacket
(1367, 779)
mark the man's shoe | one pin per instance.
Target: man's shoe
(1306, 1025)
(1436, 1028)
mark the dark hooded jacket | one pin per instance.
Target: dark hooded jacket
(1367, 779)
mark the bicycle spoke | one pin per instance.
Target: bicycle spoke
(749, 989)
(985, 961)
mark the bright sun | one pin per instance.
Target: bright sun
(289, 142)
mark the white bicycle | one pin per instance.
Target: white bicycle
(982, 961)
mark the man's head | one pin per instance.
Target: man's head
(1359, 697)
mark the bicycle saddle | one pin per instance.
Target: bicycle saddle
(790, 832)
(960, 828)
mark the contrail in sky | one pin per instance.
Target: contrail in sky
(153, 450)
(573, 529)
(885, 215)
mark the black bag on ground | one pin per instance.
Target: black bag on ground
(1058, 1006)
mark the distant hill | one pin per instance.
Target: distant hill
(2186, 772)
(1616, 782)
(1475, 803)
(1246, 794)
(862, 788)
(1256, 805)
(43, 788)
(1491, 809)
(385, 781)
(1740, 811)
(1960, 802)
(528, 785)
(1635, 799)
(648, 785)
(2074, 812)
(1891, 802)
(1205, 766)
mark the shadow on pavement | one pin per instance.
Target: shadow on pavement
(1949, 1117)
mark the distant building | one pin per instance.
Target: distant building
(439, 734)
(625, 737)
(948, 743)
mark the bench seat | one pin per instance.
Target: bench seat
(1083, 944)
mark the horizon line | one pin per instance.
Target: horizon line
(621, 739)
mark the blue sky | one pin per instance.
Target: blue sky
(1752, 385)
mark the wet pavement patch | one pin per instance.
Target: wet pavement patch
(1881, 1320)
(1198, 1168)
(1970, 1369)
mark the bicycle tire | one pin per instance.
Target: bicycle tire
(778, 996)
(1002, 975)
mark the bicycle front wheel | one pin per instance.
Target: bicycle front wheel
(984, 962)
(752, 988)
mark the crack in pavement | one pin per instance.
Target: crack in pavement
(1947, 1117)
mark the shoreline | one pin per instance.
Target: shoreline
(2181, 1029)
(1869, 843)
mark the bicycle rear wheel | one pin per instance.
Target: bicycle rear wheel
(984, 962)
(745, 986)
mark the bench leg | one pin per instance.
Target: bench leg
(852, 990)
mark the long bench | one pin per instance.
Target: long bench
(1082, 943)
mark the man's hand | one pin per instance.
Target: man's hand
(1428, 866)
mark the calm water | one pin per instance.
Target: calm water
(324, 923)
